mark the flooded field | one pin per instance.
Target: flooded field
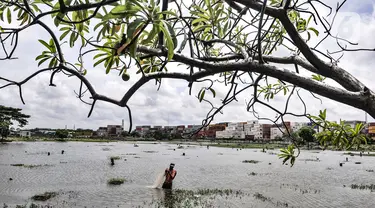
(214, 177)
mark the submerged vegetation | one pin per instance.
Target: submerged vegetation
(359, 154)
(30, 166)
(44, 197)
(370, 187)
(115, 158)
(116, 181)
(198, 198)
(251, 161)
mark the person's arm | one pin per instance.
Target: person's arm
(174, 175)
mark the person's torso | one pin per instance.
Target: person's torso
(170, 175)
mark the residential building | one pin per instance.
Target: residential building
(191, 129)
(371, 130)
(353, 123)
(296, 126)
(25, 133)
(277, 131)
(233, 130)
(102, 131)
(114, 130)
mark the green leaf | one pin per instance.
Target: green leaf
(119, 9)
(9, 15)
(64, 34)
(314, 30)
(202, 96)
(108, 69)
(151, 35)
(198, 20)
(213, 92)
(41, 56)
(100, 61)
(98, 55)
(173, 35)
(201, 27)
(132, 27)
(167, 12)
(71, 40)
(45, 44)
(169, 41)
(43, 60)
(133, 48)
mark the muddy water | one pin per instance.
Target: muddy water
(80, 175)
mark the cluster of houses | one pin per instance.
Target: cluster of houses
(250, 130)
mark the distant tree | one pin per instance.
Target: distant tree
(158, 135)
(62, 134)
(125, 133)
(135, 134)
(7, 116)
(307, 135)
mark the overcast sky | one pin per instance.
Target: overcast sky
(55, 107)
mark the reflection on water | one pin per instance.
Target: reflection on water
(84, 169)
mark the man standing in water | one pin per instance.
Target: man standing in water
(170, 174)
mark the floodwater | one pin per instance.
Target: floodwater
(81, 174)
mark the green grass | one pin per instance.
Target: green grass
(357, 154)
(29, 166)
(115, 158)
(116, 181)
(17, 165)
(363, 187)
(251, 161)
(44, 197)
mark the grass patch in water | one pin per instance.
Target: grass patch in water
(261, 197)
(269, 200)
(115, 158)
(358, 154)
(251, 161)
(30, 166)
(150, 151)
(198, 198)
(44, 197)
(17, 165)
(363, 187)
(116, 181)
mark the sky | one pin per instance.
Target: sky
(56, 107)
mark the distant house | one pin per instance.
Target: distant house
(24, 133)
(102, 131)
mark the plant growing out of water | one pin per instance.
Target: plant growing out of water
(116, 181)
(251, 161)
(17, 165)
(44, 197)
(115, 158)
(362, 187)
(252, 174)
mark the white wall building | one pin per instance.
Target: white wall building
(295, 126)
(275, 132)
(24, 133)
(240, 130)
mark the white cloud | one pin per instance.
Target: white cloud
(58, 106)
